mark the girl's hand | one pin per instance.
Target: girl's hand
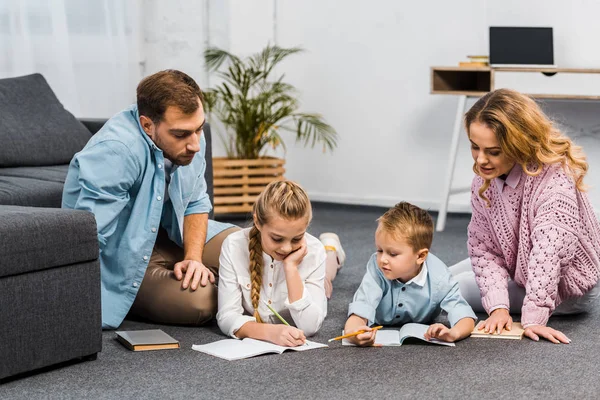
(441, 332)
(535, 331)
(288, 336)
(295, 257)
(363, 339)
(498, 320)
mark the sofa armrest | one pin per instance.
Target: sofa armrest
(37, 238)
(93, 124)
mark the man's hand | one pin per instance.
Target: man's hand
(535, 331)
(498, 320)
(195, 272)
(441, 332)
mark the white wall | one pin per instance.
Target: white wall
(366, 69)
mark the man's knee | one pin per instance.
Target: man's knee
(202, 305)
(212, 249)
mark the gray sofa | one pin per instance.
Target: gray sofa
(50, 309)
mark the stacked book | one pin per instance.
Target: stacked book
(475, 61)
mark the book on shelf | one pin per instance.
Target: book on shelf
(479, 58)
(395, 337)
(234, 349)
(469, 64)
(516, 332)
(150, 339)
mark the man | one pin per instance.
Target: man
(142, 175)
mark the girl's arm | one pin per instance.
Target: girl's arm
(230, 314)
(279, 334)
(306, 298)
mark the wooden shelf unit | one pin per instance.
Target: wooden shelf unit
(476, 82)
(465, 81)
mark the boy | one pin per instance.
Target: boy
(405, 283)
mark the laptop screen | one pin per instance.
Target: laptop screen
(521, 46)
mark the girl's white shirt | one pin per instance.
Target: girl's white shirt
(235, 303)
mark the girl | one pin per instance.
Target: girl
(533, 239)
(275, 263)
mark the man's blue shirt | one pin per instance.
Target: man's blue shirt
(119, 176)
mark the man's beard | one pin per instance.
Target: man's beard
(181, 161)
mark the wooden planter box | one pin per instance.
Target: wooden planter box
(237, 182)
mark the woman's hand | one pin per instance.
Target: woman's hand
(441, 332)
(534, 332)
(498, 320)
(364, 339)
(288, 336)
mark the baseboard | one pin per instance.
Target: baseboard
(457, 205)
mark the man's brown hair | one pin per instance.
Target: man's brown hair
(410, 223)
(167, 88)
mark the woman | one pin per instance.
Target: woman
(533, 239)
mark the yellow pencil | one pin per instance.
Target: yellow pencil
(354, 333)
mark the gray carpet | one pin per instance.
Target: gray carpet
(475, 368)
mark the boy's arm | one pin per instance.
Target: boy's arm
(356, 323)
(459, 331)
(363, 308)
(369, 293)
(460, 315)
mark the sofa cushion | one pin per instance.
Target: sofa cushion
(35, 128)
(32, 186)
(35, 238)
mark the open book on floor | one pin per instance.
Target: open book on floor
(234, 349)
(151, 339)
(516, 332)
(395, 337)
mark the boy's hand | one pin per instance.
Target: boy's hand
(498, 320)
(364, 339)
(441, 332)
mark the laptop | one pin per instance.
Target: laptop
(521, 47)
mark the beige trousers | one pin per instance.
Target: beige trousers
(161, 298)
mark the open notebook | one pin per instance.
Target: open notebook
(233, 349)
(396, 337)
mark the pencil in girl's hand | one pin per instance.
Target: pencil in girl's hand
(276, 313)
(375, 328)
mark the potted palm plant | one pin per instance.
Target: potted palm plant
(255, 111)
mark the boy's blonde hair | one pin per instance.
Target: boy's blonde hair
(287, 200)
(526, 135)
(410, 223)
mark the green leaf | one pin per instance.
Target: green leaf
(255, 109)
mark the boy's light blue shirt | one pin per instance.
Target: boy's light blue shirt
(119, 176)
(391, 302)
